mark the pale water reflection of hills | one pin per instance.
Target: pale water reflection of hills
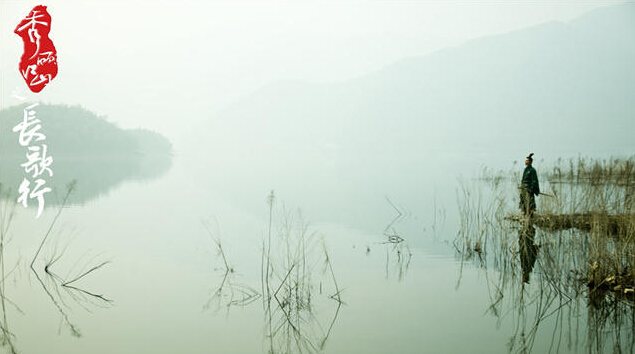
(86, 148)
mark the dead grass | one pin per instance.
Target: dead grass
(583, 249)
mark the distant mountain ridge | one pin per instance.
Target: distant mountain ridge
(558, 86)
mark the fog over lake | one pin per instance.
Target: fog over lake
(288, 177)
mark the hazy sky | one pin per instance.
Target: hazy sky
(164, 65)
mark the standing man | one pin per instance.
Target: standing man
(529, 188)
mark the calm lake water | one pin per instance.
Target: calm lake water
(251, 180)
(165, 288)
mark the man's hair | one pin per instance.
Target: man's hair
(530, 158)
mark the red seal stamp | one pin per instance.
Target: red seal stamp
(38, 64)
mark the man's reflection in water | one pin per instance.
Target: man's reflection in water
(528, 249)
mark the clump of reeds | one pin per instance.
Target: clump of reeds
(615, 171)
(229, 293)
(482, 225)
(291, 257)
(607, 187)
(597, 196)
(7, 211)
(296, 270)
(60, 290)
(584, 235)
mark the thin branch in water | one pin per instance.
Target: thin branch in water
(71, 186)
(86, 273)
